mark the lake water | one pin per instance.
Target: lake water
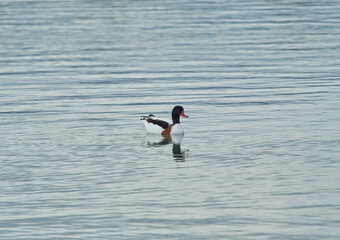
(260, 156)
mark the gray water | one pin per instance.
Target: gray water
(260, 155)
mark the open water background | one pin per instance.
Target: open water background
(260, 157)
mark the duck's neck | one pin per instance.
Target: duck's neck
(175, 119)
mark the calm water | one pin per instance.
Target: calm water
(260, 157)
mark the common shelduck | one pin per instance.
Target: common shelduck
(155, 125)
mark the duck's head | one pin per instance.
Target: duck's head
(178, 111)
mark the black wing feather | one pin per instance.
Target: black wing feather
(158, 122)
(161, 123)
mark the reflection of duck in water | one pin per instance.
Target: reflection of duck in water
(175, 140)
(159, 140)
(155, 125)
(178, 154)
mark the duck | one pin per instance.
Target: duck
(155, 125)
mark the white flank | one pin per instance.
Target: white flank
(154, 128)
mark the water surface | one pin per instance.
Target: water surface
(260, 81)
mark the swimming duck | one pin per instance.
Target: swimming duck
(155, 125)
